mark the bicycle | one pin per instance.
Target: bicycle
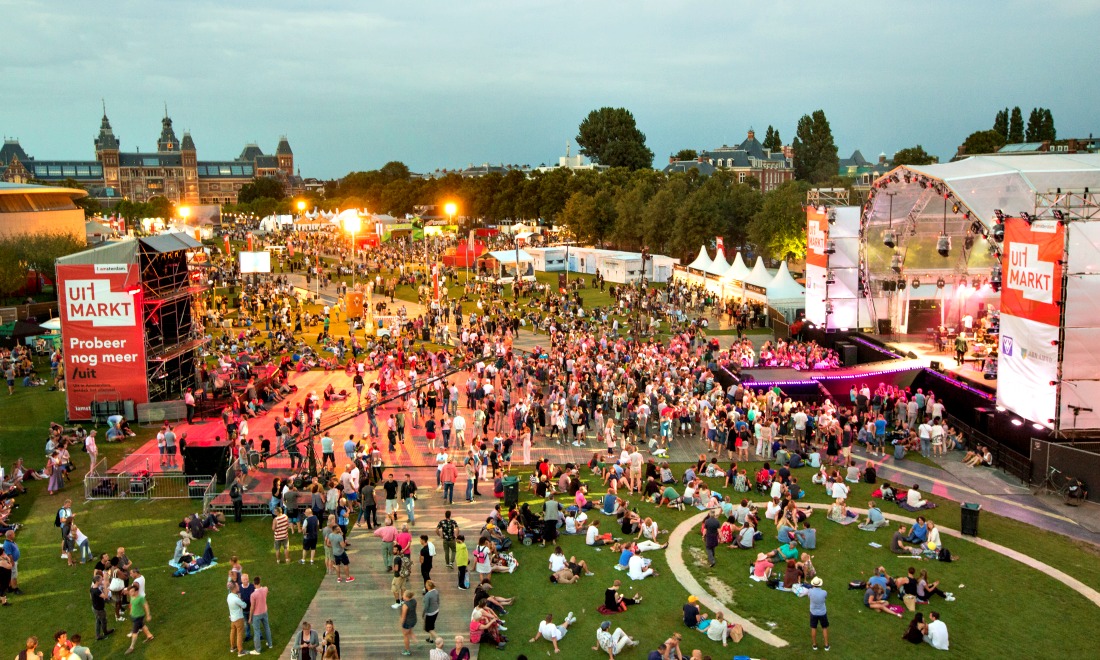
(1052, 486)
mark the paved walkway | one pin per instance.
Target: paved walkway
(361, 610)
(675, 557)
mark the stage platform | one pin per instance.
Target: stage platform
(870, 369)
(925, 351)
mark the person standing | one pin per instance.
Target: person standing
(408, 496)
(140, 616)
(447, 475)
(390, 486)
(11, 549)
(257, 616)
(431, 610)
(408, 620)
(92, 449)
(189, 401)
(447, 530)
(387, 533)
(818, 614)
(710, 529)
(236, 619)
(462, 560)
(310, 528)
(236, 495)
(170, 447)
(427, 557)
(340, 554)
(308, 642)
(100, 595)
(280, 530)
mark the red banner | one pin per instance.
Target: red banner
(817, 235)
(227, 252)
(103, 342)
(1031, 273)
(250, 241)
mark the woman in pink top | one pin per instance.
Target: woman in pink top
(762, 569)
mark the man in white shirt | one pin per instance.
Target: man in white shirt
(458, 426)
(925, 433)
(638, 567)
(799, 418)
(937, 632)
(549, 631)
(610, 642)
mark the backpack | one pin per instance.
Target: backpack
(57, 519)
(405, 567)
(944, 555)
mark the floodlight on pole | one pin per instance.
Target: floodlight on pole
(352, 225)
(185, 212)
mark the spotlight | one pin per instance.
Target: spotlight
(977, 282)
(908, 179)
(1037, 426)
(940, 283)
(968, 242)
(955, 208)
(916, 282)
(830, 247)
(995, 277)
(1017, 422)
(829, 277)
(901, 284)
(1058, 215)
(832, 216)
(943, 246)
(1000, 216)
(890, 239)
(999, 233)
(895, 262)
(1028, 218)
(1000, 408)
(975, 227)
(828, 308)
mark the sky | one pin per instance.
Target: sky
(443, 84)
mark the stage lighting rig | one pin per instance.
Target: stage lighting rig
(943, 245)
(995, 277)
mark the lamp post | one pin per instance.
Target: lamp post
(352, 224)
(184, 212)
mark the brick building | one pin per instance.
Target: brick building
(748, 159)
(173, 170)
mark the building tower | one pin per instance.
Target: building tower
(167, 142)
(106, 152)
(190, 190)
(285, 156)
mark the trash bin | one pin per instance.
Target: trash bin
(511, 491)
(970, 512)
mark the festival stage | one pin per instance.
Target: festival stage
(970, 371)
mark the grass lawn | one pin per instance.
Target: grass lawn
(190, 617)
(985, 621)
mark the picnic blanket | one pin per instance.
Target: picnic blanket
(208, 560)
(846, 521)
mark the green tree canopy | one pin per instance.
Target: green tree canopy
(686, 154)
(982, 142)
(815, 155)
(913, 156)
(1000, 123)
(261, 186)
(1015, 127)
(772, 140)
(779, 227)
(610, 136)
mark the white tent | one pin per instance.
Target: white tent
(759, 275)
(738, 270)
(719, 266)
(702, 262)
(784, 288)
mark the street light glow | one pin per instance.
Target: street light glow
(450, 208)
(301, 206)
(184, 211)
(352, 224)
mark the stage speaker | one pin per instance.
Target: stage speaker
(206, 461)
(885, 327)
(912, 356)
(889, 285)
(936, 366)
(848, 353)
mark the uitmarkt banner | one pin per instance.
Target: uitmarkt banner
(1031, 272)
(817, 234)
(102, 335)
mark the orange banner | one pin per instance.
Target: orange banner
(354, 302)
(817, 235)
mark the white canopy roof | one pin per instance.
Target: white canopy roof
(702, 262)
(509, 256)
(738, 270)
(784, 287)
(759, 275)
(719, 266)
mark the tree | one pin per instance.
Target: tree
(261, 186)
(686, 154)
(982, 142)
(1015, 127)
(610, 136)
(815, 156)
(772, 140)
(913, 156)
(1000, 123)
(161, 207)
(1046, 128)
(1034, 121)
(1040, 126)
(395, 170)
(779, 228)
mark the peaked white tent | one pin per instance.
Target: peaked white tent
(702, 262)
(738, 270)
(759, 275)
(719, 266)
(785, 294)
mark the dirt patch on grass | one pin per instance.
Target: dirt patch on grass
(699, 557)
(721, 590)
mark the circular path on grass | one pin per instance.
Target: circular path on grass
(675, 557)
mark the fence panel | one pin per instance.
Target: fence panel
(158, 486)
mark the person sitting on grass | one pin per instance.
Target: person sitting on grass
(898, 546)
(875, 599)
(639, 568)
(614, 601)
(554, 633)
(840, 513)
(693, 614)
(762, 568)
(612, 642)
(874, 518)
(919, 532)
(719, 630)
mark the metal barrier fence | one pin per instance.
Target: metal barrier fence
(1005, 458)
(149, 486)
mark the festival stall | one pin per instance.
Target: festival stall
(547, 259)
(501, 266)
(786, 294)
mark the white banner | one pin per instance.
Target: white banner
(1028, 364)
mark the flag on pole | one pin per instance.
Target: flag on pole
(250, 241)
(227, 252)
(718, 243)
